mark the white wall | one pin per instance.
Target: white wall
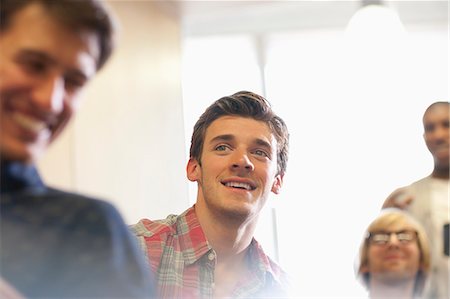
(127, 142)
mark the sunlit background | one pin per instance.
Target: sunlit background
(350, 78)
(353, 96)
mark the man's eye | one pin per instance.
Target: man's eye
(429, 128)
(221, 148)
(34, 66)
(73, 83)
(261, 153)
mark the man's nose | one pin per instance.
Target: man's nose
(393, 239)
(241, 161)
(48, 95)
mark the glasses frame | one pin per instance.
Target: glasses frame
(403, 242)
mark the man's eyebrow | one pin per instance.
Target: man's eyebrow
(225, 137)
(229, 137)
(36, 54)
(263, 143)
(31, 53)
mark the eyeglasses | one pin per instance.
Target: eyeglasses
(382, 238)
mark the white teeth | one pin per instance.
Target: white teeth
(29, 123)
(239, 185)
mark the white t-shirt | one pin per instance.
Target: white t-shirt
(440, 207)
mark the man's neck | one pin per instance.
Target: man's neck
(228, 237)
(441, 173)
(401, 290)
(17, 176)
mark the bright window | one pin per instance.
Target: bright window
(355, 125)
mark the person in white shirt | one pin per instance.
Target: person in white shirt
(428, 199)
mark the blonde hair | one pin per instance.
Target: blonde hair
(386, 218)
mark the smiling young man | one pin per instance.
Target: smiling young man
(428, 199)
(238, 156)
(55, 244)
(394, 260)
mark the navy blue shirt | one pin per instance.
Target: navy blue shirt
(55, 244)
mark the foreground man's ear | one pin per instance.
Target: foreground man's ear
(193, 170)
(278, 182)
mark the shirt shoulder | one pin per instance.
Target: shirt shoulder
(53, 231)
(63, 209)
(172, 225)
(423, 181)
(152, 228)
(176, 237)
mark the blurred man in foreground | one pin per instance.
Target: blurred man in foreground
(55, 244)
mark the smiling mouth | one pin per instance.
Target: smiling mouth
(393, 257)
(29, 123)
(239, 185)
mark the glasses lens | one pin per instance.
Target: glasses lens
(405, 237)
(379, 238)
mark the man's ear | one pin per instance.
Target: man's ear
(193, 170)
(277, 183)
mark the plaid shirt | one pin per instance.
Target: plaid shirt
(184, 261)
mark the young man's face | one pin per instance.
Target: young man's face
(437, 133)
(43, 68)
(238, 167)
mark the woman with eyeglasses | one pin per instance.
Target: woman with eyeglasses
(394, 259)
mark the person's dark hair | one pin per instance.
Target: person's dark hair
(78, 15)
(245, 104)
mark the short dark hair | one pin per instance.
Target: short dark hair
(78, 15)
(245, 104)
(435, 104)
